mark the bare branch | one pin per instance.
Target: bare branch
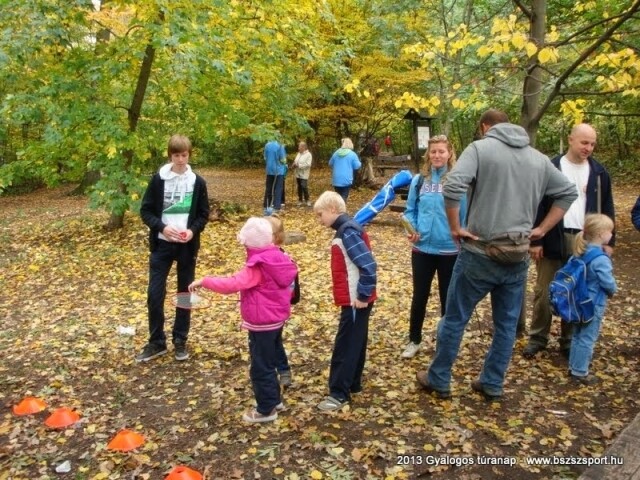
(608, 114)
(569, 39)
(523, 8)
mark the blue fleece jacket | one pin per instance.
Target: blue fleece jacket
(600, 280)
(343, 162)
(429, 217)
(275, 157)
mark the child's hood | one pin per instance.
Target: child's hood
(177, 184)
(167, 174)
(273, 264)
(343, 152)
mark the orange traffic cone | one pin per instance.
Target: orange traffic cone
(183, 473)
(29, 405)
(62, 417)
(125, 440)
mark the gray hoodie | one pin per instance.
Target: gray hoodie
(507, 180)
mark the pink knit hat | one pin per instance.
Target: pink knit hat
(256, 233)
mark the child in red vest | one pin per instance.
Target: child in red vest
(353, 271)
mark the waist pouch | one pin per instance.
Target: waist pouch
(508, 248)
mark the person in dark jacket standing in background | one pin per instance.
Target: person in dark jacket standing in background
(593, 186)
(175, 207)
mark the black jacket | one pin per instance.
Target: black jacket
(151, 211)
(553, 242)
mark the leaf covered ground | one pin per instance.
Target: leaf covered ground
(66, 285)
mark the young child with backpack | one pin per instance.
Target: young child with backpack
(282, 364)
(264, 284)
(601, 284)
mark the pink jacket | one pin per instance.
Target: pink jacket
(264, 284)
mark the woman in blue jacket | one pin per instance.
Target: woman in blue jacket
(433, 247)
(343, 162)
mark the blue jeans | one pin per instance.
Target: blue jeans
(273, 192)
(584, 339)
(474, 276)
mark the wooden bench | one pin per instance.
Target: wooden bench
(384, 163)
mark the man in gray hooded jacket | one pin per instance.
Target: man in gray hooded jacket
(506, 179)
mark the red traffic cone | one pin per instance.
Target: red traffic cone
(125, 440)
(62, 417)
(29, 405)
(183, 473)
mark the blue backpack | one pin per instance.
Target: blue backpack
(568, 294)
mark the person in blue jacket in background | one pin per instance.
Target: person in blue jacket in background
(433, 247)
(343, 162)
(275, 159)
(635, 214)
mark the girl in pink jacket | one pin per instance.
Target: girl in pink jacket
(265, 305)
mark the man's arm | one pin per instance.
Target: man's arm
(554, 215)
(608, 207)
(457, 232)
(362, 257)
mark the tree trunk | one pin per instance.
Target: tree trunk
(89, 179)
(532, 87)
(117, 217)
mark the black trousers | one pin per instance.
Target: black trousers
(424, 267)
(266, 389)
(349, 352)
(303, 189)
(160, 263)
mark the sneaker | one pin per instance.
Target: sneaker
(309, 204)
(410, 350)
(281, 407)
(285, 378)
(330, 404)
(584, 380)
(531, 350)
(421, 377)
(181, 352)
(254, 416)
(150, 351)
(476, 386)
(299, 203)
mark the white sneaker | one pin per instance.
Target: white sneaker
(410, 350)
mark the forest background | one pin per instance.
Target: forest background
(91, 91)
(89, 95)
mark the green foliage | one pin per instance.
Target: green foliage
(232, 75)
